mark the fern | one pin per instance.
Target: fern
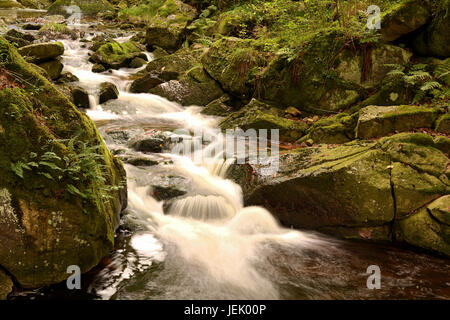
(430, 85)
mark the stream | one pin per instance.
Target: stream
(207, 245)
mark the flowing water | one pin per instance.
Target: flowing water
(207, 245)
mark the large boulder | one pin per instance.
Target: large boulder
(61, 191)
(258, 115)
(230, 62)
(358, 189)
(403, 18)
(41, 52)
(429, 228)
(319, 187)
(167, 28)
(435, 39)
(376, 121)
(87, 7)
(352, 66)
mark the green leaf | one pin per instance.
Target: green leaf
(17, 169)
(50, 165)
(74, 190)
(47, 175)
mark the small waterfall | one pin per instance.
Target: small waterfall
(202, 208)
(211, 243)
(93, 102)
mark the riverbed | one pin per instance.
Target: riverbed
(207, 245)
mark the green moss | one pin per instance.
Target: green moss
(234, 63)
(36, 4)
(403, 18)
(8, 4)
(422, 230)
(115, 55)
(376, 121)
(443, 124)
(257, 115)
(35, 120)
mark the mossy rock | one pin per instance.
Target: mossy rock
(217, 107)
(88, 7)
(443, 144)
(3, 27)
(391, 93)
(258, 115)
(41, 52)
(53, 68)
(332, 130)
(310, 81)
(178, 63)
(358, 190)
(413, 189)
(98, 68)
(80, 97)
(108, 91)
(167, 29)
(352, 64)
(443, 124)
(36, 4)
(428, 228)
(403, 18)
(188, 92)
(9, 4)
(145, 83)
(440, 209)
(320, 187)
(19, 38)
(45, 225)
(234, 63)
(137, 63)
(117, 55)
(6, 285)
(377, 121)
(435, 39)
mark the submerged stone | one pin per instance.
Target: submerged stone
(108, 91)
(80, 97)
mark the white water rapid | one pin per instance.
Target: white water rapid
(208, 240)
